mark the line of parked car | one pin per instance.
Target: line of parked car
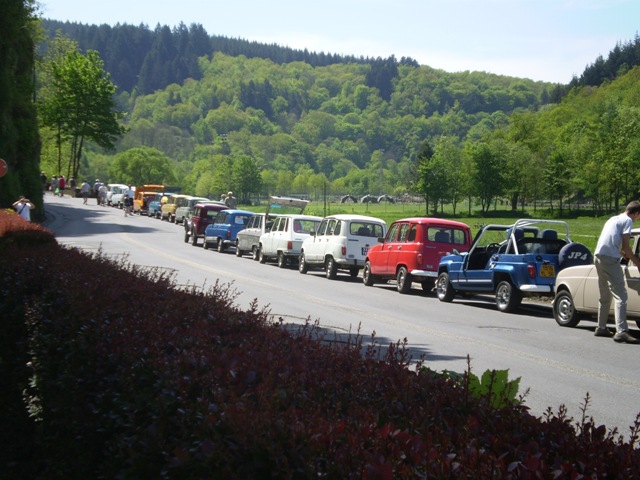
(528, 258)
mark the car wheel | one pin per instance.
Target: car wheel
(172, 219)
(239, 252)
(205, 244)
(186, 236)
(262, 258)
(353, 272)
(367, 277)
(403, 280)
(255, 253)
(194, 239)
(302, 264)
(331, 268)
(564, 310)
(508, 298)
(444, 289)
(282, 260)
(221, 247)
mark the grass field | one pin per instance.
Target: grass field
(584, 226)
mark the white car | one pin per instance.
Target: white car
(248, 239)
(341, 243)
(117, 197)
(284, 241)
(577, 294)
(114, 188)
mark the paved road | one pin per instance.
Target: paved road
(558, 365)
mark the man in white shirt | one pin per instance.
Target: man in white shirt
(129, 193)
(612, 245)
(23, 206)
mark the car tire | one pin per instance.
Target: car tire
(573, 254)
(508, 297)
(330, 268)
(564, 310)
(186, 236)
(194, 239)
(403, 280)
(367, 277)
(239, 252)
(302, 264)
(353, 272)
(262, 258)
(205, 244)
(282, 260)
(255, 253)
(220, 246)
(444, 290)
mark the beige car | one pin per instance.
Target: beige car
(577, 294)
(168, 209)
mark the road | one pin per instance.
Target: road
(558, 366)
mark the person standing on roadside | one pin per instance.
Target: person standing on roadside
(54, 185)
(231, 201)
(612, 245)
(84, 189)
(129, 193)
(23, 206)
(96, 188)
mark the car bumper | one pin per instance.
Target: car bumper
(536, 288)
(424, 273)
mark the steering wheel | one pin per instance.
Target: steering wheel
(492, 246)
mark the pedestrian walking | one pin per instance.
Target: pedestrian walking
(84, 189)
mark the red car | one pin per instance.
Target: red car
(411, 251)
(202, 215)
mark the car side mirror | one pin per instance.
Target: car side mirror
(380, 239)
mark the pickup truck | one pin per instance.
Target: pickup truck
(511, 261)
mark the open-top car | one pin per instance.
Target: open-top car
(248, 239)
(511, 261)
(577, 292)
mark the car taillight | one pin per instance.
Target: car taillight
(419, 259)
(289, 245)
(344, 250)
(532, 271)
(228, 234)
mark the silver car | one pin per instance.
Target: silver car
(577, 292)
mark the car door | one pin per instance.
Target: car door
(380, 264)
(314, 248)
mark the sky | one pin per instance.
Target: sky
(546, 40)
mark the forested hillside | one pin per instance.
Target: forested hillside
(263, 125)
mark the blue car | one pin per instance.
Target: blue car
(223, 231)
(512, 262)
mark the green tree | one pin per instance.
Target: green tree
(19, 137)
(80, 104)
(487, 175)
(246, 177)
(143, 165)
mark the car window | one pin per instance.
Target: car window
(413, 232)
(242, 219)
(454, 236)
(212, 213)
(404, 232)
(334, 227)
(323, 227)
(392, 234)
(306, 225)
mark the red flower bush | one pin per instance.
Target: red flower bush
(147, 380)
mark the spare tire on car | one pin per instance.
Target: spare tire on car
(574, 254)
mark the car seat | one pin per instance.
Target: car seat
(441, 237)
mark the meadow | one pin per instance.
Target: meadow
(584, 224)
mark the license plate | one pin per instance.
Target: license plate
(364, 250)
(547, 271)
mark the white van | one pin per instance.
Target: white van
(341, 243)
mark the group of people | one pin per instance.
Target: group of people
(229, 200)
(57, 184)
